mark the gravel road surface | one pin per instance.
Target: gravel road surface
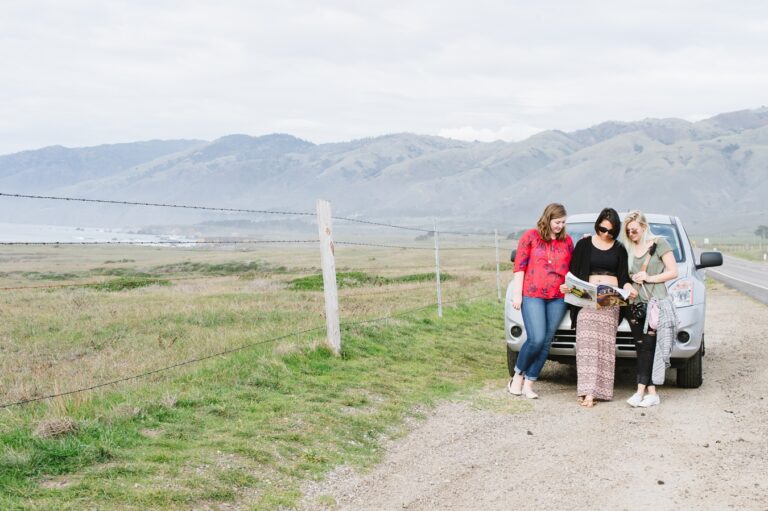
(704, 449)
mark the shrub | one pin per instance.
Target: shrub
(123, 283)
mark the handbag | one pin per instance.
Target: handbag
(653, 314)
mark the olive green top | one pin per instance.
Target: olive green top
(655, 266)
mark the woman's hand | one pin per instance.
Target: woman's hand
(632, 291)
(564, 289)
(517, 301)
(640, 277)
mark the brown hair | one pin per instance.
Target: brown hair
(551, 212)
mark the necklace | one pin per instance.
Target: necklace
(549, 252)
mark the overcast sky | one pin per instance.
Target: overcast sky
(79, 73)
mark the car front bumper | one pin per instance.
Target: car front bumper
(689, 340)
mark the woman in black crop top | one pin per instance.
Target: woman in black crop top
(599, 259)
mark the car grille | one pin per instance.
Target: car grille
(567, 339)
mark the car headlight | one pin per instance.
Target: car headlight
(681, 293)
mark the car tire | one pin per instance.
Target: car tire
(690, 375)
(511, 360)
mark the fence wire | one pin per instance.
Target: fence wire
(408, 247)
(221, 353)
(231, 210)
(160, 370)
(158, 242)
(157, 204)
(213, 242)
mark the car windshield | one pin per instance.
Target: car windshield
(667, 231)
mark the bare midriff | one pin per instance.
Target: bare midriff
(604, 279)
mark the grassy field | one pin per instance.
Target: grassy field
(746, 247)
(244, 429)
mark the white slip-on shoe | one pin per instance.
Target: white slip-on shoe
(511, 390)
(635, 400)
(650, 400)
(530, 394)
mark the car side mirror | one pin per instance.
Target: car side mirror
(512, 255)
(709, 259)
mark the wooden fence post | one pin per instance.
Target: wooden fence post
(329, 276)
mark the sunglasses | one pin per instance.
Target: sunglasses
(633, 231)
(602, 229)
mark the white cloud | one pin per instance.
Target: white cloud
(84, 72)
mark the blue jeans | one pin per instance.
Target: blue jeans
(541, 318)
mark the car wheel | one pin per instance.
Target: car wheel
(690, 375)
(511, 360)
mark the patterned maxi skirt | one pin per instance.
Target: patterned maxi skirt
(596, 351)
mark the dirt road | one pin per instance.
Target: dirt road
(704, 449)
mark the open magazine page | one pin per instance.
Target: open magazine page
(593, 296)
(582, 293)
(611, 296)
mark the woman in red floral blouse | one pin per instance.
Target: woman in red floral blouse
(543, 256)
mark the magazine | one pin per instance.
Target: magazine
(593, 296)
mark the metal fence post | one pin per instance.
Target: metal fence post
(329, 276)
(498, 271)
(437, 274)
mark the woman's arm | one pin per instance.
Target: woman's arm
(669, 273)
(670, 269)
(622, 272)
(632, 291)
(522, 260)
(576, 258)
(517, 289)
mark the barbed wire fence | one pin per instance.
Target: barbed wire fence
(331, 289)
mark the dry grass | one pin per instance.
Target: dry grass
(51, 428)
(242, 431)
(67, 338)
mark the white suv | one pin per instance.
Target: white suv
(687, 291)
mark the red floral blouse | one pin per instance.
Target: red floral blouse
(545, 264)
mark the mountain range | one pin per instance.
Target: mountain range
(712, 173)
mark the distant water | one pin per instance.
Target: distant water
(31, 233)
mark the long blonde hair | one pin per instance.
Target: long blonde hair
(648, 235)
(551, 212)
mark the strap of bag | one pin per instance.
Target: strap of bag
(644, 267)
(647, 260)
(647, 294)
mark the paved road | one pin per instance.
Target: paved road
(748, 277)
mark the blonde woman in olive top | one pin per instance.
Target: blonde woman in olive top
(651, 264)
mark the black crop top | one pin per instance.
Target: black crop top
(583, 260)
(604, 262)
(583, 264)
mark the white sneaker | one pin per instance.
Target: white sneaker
(635, 400)
(650, 400)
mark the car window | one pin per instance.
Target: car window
(578, 230)
(670, 234)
